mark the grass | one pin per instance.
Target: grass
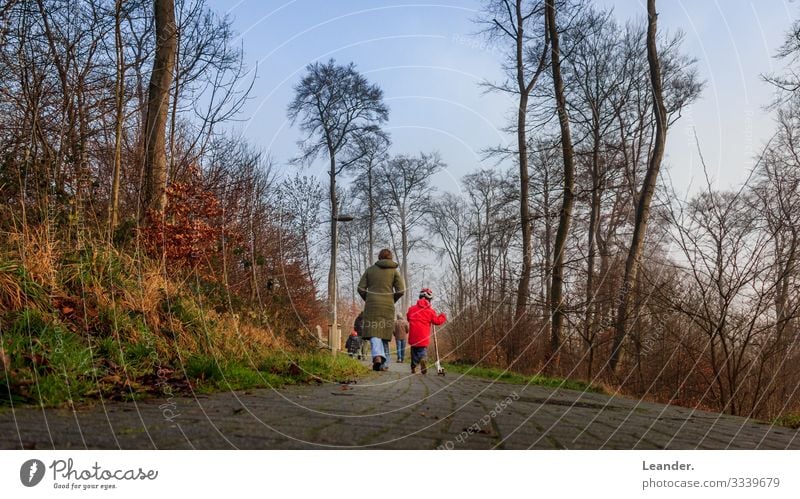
(497, 374)
(275, 371)
(791, 420)
(17, 288)
(47, 362)
(78, 325)
(51, 366)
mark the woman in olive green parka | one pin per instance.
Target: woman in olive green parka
(380, 287)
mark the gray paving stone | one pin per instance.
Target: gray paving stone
(391, 410)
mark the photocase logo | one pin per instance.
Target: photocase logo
(31, 472)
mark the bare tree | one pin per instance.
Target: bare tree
(300, 198)
(119, 98)
(725, 252)
(367, 152)
(545, 178)
(595, 76)
(492, 197)
(404, 182)
(648, 186)
(335, 104)
(519, 26)
(787, 83)
(155, 197)
(449, 219)
(567, 199)
(777, 194)
(208, 85)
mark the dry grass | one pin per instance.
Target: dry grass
(39, 251)
(28, 265)
(5, 360)
(101, 312)
(150, 287)
(11, 295)
(101, 283)
(243, 340)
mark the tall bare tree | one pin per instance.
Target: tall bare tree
(300, 197)
(493, 207)
(520, 24)
(404, 182)
(335, 104)
(594, 75)
(726, 254)
(546, 171)
(369, 150)
(449, 219)
(568, 196)
(155, 159)
(648, 187)
(119, 102)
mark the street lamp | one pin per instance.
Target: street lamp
(333, 329)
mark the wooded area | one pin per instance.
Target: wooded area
(139, 236)
(129, 210)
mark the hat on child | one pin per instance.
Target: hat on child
(426, 293)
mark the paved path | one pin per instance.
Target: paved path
(392, 410)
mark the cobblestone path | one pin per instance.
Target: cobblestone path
(390, 410)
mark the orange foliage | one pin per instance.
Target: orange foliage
(189, 229)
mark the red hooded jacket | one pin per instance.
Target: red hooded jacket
(420, 318)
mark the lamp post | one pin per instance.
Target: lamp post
(333, 327)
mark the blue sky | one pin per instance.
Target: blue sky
(429, 65)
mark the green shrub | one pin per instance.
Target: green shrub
(791, 420)
(203, 367)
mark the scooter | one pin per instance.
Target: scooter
(439, 368)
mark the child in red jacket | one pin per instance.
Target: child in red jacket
(420, 318)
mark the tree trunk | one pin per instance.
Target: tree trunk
(648, 188)
(548, 246)
(83, 189)
(351, 263)
(307, 251)
(404, 248)
(600, 305)
(332, 269)
(569, 172)
(253, 258)
(120, 90)
(155, 196)
(594, 216)
(173, 118)
(523, 290)
(371, 206)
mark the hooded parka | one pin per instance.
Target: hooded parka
(380, 287)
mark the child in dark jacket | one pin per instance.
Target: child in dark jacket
(358, 327)
(353, 344)
(420, 317)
